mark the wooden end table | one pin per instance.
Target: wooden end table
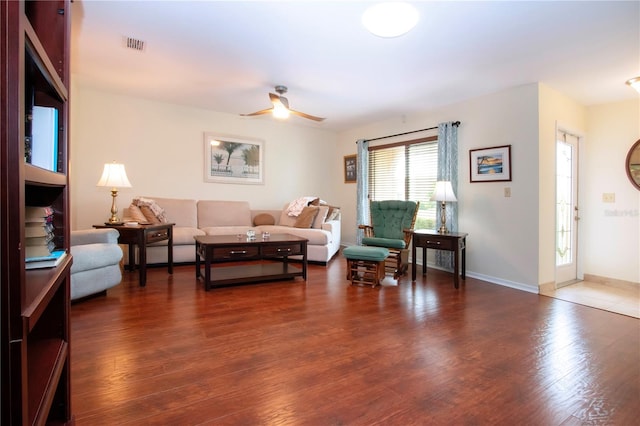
(142, 236)
(428, 239)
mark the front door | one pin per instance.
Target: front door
(566, 208)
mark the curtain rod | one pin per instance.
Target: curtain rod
(455, 123)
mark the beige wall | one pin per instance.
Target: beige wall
(611, 240)
(503, 232)
(161, 146)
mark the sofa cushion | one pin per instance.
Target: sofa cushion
(182, 212)
(223, 213)
(318, 237)
(264, 219)
(228, 230)
(306, 217)
(94, 256)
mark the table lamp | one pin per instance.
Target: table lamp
(114, 176)
(443, 193)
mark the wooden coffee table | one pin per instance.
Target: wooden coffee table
(268, 259)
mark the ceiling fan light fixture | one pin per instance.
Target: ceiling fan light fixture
(280, 111)
(390, 19)
(635, 83)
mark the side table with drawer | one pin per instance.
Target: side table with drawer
(453, 241)
(142, 236)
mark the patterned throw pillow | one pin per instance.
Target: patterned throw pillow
(149, 215)
(154, 209)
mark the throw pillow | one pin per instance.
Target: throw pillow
(149, 215)
(157, 211)
(320, 217)
(286, 220)
(306, 217)
(263, 219)
(334, 213)
(135, 214)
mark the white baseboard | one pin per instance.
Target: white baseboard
(493, 280)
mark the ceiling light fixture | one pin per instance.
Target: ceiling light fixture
(280, 111)
(390, 19)
(635, 83)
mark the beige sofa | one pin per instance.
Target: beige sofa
(212, 217)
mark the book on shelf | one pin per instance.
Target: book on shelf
(38, 231)
(36, 251)
(52, 260)
(44, 138)
(38, 213)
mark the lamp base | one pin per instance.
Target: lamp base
(443, 219)
(114, 219)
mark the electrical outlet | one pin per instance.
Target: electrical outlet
(507, 191)
(608, 197)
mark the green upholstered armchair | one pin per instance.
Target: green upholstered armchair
(391, 227)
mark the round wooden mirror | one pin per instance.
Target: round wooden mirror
(633, 164)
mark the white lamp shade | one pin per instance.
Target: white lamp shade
(443, 192)
(114, 176)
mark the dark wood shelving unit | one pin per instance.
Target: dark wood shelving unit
(35, 336)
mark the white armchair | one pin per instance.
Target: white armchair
(96, 261)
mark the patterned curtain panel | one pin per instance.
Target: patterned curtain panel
(362, 182)
(448, 170)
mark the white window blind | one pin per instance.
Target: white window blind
(406, 171)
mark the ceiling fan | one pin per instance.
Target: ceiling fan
(281, 108)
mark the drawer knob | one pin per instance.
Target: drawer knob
(287, 250)
(238, 252)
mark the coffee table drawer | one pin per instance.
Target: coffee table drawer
(235, 253)
(282, 250)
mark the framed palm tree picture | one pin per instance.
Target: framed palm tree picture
(232, 159)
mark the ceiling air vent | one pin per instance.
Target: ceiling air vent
(134, 43)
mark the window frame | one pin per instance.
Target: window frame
(428, 209)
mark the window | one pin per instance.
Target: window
(406, 171)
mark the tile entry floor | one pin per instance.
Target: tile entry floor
(621, 300)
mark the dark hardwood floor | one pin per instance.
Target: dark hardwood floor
(325, 353)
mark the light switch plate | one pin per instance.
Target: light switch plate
(608, 197)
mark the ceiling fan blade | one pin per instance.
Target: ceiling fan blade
(279, 100)
(264, 111)
(304, 115)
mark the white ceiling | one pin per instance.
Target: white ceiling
(227, 55)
